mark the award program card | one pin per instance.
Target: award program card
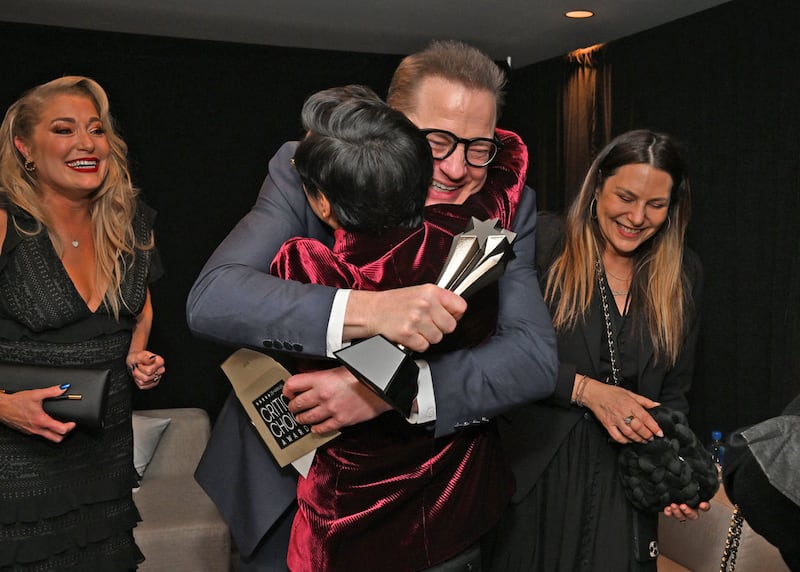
(258, 381)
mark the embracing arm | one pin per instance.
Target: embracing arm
(518, 363)
(236, 301)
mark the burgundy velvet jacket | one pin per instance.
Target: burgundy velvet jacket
(386, 493)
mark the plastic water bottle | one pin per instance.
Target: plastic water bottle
(717, 450)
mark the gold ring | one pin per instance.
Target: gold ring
(628, 419)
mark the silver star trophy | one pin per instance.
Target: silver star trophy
(478, 256)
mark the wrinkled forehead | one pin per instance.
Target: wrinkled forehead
(465, 111)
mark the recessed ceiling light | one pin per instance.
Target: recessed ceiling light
(579, 14)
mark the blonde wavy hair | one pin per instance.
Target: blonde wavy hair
(660, 290)
(112, 206)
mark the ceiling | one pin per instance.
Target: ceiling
(526, 31)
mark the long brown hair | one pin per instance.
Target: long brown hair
(112, 205)
(659, 288)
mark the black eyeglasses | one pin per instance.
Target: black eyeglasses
(478, 152)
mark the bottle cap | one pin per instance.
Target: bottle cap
(716, 435)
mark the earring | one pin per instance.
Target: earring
(593, 208)
(30, 166)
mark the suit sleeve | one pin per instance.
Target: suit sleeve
(518, 363)
(237, 302)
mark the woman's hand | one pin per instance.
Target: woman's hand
(622, 412)
(684, 512)
(23, 411)
(146, 368)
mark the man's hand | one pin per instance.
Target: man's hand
(330, 399)
(414, 317)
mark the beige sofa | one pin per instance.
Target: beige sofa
(181, 529)
(698, 545)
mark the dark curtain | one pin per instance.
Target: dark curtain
(534, 110)
(587, 114)
(723, 82)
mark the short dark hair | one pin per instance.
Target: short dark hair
(371, 163)
(317, 107)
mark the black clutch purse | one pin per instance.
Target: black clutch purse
(675, 468)
(85, 400)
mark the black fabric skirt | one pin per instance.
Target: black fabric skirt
(68, 506)
(576, 518)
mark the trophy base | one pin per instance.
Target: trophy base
(385, 368)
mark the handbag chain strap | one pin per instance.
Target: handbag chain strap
(601, 282)
(728, 563)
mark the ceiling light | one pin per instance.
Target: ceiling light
(579, 14)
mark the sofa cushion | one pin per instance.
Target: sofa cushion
(698, 544)
(181, 529)
(147, 433)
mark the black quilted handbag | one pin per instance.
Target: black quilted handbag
(675, 468)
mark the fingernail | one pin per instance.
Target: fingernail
(660, 433)
(65, 386)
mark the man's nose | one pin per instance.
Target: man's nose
(455, 164)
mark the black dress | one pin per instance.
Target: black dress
(576, 517)
(68, 506)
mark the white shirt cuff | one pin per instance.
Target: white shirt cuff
(426, 405)
(336, 322)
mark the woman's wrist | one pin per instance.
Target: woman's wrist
(578, 389)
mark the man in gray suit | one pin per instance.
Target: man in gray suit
(456, 92)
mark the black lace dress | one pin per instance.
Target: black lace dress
(68, 506)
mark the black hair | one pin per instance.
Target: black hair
(371, 163)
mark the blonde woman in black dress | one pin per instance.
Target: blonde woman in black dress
(76, 258)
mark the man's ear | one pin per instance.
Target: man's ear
(326, 211)
(322, 208)
(324, 205)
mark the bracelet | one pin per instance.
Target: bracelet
(579, 394)
(577, 385)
